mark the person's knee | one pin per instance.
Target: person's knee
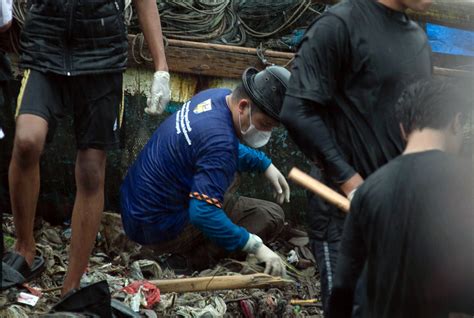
(277, 216)
(27, 147)
(274, 219)
(90, 173)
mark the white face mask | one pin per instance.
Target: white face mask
(252, 136)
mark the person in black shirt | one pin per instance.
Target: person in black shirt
(348, 73)
(411, 222)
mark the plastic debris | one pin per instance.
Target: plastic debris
(27, 299)
(292, 257)
(14, 311)
(120, 262)
(145, 269)
(143, 293)
(214, 308)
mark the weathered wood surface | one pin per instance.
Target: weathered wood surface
(209, 59)
(227, 61)
(196, 284)
(457, 14)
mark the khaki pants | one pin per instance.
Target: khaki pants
(263, 218)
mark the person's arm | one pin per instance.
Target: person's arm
(254, 160)
(315, 74)
(150, 23)
(220, 230)
(309, 132)
(216, 226)
(214, 171)
(350, 262)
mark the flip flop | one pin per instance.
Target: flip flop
(17, 262)
(10, 277)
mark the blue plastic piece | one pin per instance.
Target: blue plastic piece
(452, 41)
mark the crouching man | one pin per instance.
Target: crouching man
(172, 198)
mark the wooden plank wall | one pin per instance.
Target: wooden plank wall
(223, 60)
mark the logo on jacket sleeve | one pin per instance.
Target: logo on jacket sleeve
(203, 107)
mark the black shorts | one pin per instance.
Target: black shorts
(96, 102)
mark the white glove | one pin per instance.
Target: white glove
(5, 13)
(280, 186)
(160, 93)
(273, 263)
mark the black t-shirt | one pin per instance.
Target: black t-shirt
(353, 62)
(412, 224)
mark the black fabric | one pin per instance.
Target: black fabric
(325, 253)
(10, 277)
(5, 68)
(95, 100)
(5, 101)
(325, 225)
(411, 224)
(5, 90)
(94, 299)
(72, 37)
(350, 69)
(320, 213)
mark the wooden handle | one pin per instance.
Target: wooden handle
(306, 181)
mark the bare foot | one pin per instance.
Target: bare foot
(28, 253)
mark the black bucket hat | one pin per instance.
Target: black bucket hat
(267, 88)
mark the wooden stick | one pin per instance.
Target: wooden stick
(304, 301)
(195, 284)
(320, 189)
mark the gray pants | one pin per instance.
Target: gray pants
(263, 218)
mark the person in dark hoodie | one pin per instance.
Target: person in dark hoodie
(74, 54)
(348, 73)
(411, 222)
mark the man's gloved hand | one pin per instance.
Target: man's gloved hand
(273, 263)
(160, 93)
(280, 186)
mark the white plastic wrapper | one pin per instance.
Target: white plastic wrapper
(292, 257)
(27, 299)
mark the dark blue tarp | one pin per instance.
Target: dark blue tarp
(447, 40)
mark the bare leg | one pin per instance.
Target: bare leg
(24, 180)
(88, 207)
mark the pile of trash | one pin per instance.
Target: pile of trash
(132, 275)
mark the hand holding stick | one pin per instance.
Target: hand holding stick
(319, 188)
